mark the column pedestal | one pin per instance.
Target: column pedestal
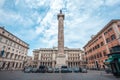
(61, 60)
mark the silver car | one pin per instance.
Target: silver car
(28, 70)
(56, 70)
(50, 70)
(84, 70)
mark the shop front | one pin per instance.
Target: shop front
(114, 60)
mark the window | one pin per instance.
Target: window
(4, 47)
(113, 37)
(109, 29)
(9, 48)
(107, 40)
(6, 41)
(119, 25)
(18, 46)
(3, 32)
(0, 39)
(100, 37)
(94, 57)
(97, 55)
(10, 43)
(93, 48)
(98, 46)
(105, 33)
(14, 44)
(100, 54)
(104, 53)
(102, 43)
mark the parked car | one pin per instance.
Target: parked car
(108, 70)
(42, 69)
(28, 70)
(34, 70)
(76, 70)
(56, 70)
(64, 69)
(80, 69)
(84, 70)
(49, 70)
(70, 70)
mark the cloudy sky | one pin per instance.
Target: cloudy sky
(35, 21)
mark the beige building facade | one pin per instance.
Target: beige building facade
(14, 51)
(48, 57)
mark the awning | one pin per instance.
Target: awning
(119, 60)
(110, 59)
(116, 55)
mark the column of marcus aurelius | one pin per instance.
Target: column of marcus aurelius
(61, 58)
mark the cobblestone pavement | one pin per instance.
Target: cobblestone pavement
(91, 75)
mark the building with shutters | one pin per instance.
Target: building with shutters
(15, 51)
(97, 49)
(48, 56)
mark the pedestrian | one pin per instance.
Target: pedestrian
(23, 69)
(104, 67)
(11, 69)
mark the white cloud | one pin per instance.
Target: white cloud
(1, 3)
(14, 18)
(78, 19)
(36, 3)
(17, 2)
(27, 34)
(37, 20)
(48, 26)
(57, 4)
(111, 2)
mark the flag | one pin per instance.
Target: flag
(2, 53)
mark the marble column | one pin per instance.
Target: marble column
(61, 57)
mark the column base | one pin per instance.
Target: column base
(61, 60)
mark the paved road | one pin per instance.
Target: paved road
(91, 75)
